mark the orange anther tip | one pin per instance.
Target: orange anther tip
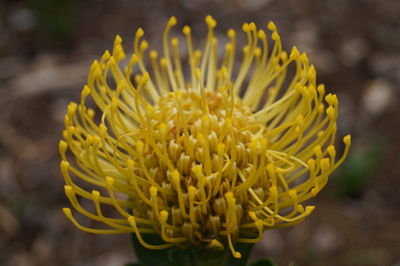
(314, 192)
(153, 191)
(231, 33)
(90, 112)
(89, 139)
(186, 30)
(118, 38)
(329, 98)
(109, 181)
(191, 190)
(95, 194)
(270, 167)
(217, 244)
(164, 215)
(299, 118)
(67, 212)
(64, 165)
(62, 146)
(106, 55)
(112, 61)
(331, 149)
(211, 22)
(252, 26)
(311, 163)
(144, 45)
(130, 164)
(197, 169)
(72, 108)
(102, 127)
(300, 208)
(273, 190)
(153, 54)
(304, 58)
(245, 27)
(309, 209)
(85, 91)
(330, 111)
(294, 53)
(197, 53)
(115, 101)
(132, 220)
(174, 41)
(317, 149)
(95, 64)
(228, 47)
(275, 36)
(261, 34)
(163, 62)
(146, 77)
(172, 21)
(284, 56)
(139, 32)
(134, 59)
(271, 26)
(175, 177)
(325, 163)
(229, 195)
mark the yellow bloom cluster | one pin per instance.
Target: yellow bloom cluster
(204, 153)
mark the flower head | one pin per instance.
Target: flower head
(204, 153)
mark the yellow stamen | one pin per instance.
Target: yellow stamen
(200, 152)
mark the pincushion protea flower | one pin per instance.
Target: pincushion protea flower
(195, 153)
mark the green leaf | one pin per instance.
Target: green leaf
(244, 249)
(264, 262)
(190, 256)
(132, 264)
(164, 257)
(207, 257)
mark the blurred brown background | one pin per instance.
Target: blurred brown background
(46, 47)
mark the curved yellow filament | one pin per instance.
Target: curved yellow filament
(201, 152)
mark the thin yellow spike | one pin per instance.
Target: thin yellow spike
(212, 160)
(172, 21)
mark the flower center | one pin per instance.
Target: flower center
(197, 149)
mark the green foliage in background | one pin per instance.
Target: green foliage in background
(55, 18)
(360, 166)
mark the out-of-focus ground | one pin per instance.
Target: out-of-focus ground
(47, 46)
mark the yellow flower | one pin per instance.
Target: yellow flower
(203, 153)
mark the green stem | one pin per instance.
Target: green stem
(191, 256)
(207, 257)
